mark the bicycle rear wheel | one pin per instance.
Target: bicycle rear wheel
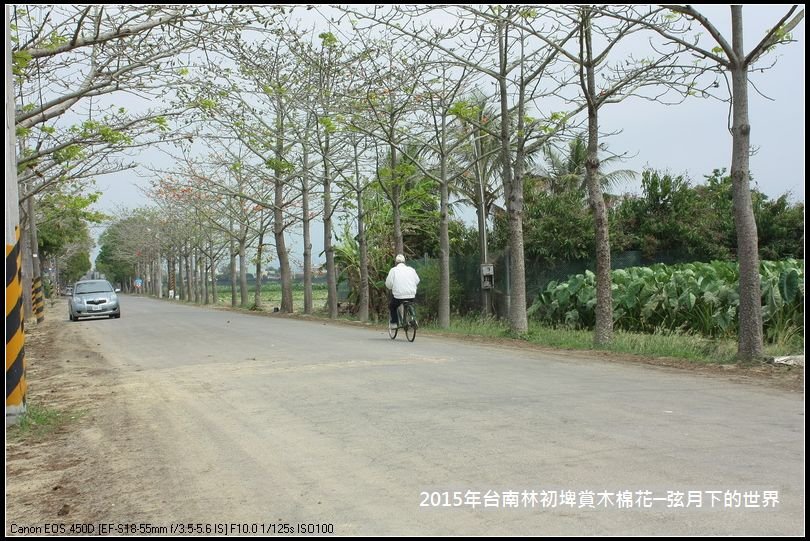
(392, 332)
(410, 324)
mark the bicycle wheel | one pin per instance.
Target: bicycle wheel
(392, 332)
(410, 324)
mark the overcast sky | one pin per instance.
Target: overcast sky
(691, 138)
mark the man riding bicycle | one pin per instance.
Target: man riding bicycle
(402, 281)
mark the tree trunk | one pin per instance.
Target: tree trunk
(257, 290)
(331, 281)
(307, 240)
(232, 253)
(181, 290)
(195, 280)
(278, 216)
(214, 295)
(195, 274)
(363, 247)
(362, 309)
(189, 287)
(201, 280)
(57, 280)
(151, 288)
(214, 291)
(444, 248)
(750, 339)
(281, 249)
(603, 331)
(284, 269)
(159, 272)
(513, 191)
(204, 266)
(243, 288)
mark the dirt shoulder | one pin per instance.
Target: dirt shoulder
(73, 472)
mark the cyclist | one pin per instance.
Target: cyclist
(402, 281)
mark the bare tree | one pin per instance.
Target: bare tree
(78, 59)
(303, 129)
(439, 96)
(358, 185)
(730, 57)
(494, 42)
(597, 39)
(326, 67)
(391, 74)
(66, 57)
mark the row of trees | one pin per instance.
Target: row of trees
(72, 65)
(399, 103)
(672, 219)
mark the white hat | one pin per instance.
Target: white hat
(400, 258)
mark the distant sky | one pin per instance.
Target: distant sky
(690, 139)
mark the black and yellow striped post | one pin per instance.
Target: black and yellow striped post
(15, 336)
(38, 298)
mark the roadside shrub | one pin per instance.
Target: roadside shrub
(693, 298)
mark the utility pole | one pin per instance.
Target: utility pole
(15, 335)
(486, 300)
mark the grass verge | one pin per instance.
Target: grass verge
(39, 421)
(679, 346)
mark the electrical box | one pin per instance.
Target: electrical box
(487, 276)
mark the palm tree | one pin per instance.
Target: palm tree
(479, 183)
(565, 173)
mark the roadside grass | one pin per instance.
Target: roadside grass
(39, 421)
(681, 346)
(689, 347)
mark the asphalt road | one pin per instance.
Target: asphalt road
(269, 421)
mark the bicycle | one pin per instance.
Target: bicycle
(405, 313)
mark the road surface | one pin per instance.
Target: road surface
(208, 417)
